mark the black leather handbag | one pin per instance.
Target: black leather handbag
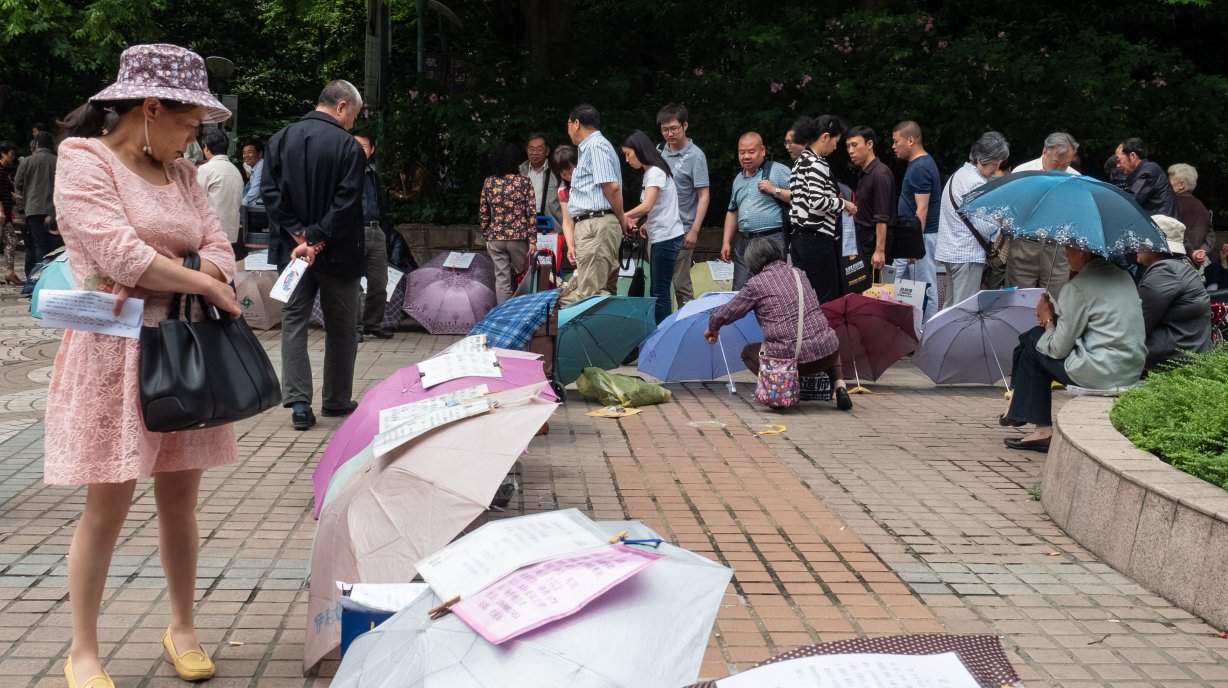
(199, 374)
(634, 250)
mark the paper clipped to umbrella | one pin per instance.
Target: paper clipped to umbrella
(721, 271)
(548, 591)
(858, 671)
(90, 311)
(420, 425)
(389, 418)
(462, 364)
(289, 278)
(471, 343)
(499, 548)
(388, 597)
(458, 260)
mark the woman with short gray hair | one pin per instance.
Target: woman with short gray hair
(772, 293)
(1199, 237)
(959, 249)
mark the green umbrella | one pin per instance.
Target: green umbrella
(600, 331)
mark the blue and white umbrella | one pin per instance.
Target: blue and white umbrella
(677, 351)
(511, 324)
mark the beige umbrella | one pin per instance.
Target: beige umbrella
(400, 507)
(702, 282)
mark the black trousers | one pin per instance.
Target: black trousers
(818, 255)
(1032, 376)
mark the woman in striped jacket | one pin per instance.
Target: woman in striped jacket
(816, 205)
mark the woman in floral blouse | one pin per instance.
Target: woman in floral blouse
(507, 216)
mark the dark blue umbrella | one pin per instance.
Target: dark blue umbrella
(1066, 209)
(512, 323)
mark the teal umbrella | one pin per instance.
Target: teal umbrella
(600, 331)
(55, 275)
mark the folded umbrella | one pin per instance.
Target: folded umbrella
(512, 323)
(448, 300)
(974, 340)
(1068, 210)
(677, 351)
(873, 334)
(651, 630)
(600, 331)
(410, 502)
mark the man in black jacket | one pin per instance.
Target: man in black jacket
(312, 190)
(1145, 180)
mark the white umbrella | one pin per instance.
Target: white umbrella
(649, 631)
(973, 341)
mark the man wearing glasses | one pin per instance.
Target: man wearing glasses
(690, 167)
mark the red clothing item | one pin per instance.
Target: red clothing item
(772, 295)
(506, 210)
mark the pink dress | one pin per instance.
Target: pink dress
(113, 223)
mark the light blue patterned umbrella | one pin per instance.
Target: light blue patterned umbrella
(512, 323)
(1065, 209)
(676, 351)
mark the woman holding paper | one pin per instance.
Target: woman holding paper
(508, 218)
(129, 209)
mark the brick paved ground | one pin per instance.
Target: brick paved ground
(906, 515)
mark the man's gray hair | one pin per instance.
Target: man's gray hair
(761, 253)
(1061, 143)
(991, 147)
(1185, 173)
(337, 91)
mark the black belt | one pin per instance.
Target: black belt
(761, 233)
(591, 215)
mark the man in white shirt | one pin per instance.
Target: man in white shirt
(221, 180)
(538, 171)
(1030, 263)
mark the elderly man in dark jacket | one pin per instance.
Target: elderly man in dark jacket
(1176, 307)
(1145, 180)
(312, 191)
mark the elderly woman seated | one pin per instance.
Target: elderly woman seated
(1176, 307)
(1096, 342)
(772, 293)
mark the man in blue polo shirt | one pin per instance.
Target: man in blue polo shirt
(596, 206)
(760, 195)
(919, 199)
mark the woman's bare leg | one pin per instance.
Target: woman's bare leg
(179, 547)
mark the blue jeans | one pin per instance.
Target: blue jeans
(664, 254)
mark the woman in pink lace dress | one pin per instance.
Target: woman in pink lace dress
(129, 208)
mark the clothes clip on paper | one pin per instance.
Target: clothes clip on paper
(618, 538)
(346, 589)
(443, 609)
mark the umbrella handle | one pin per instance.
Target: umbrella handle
(729, 373)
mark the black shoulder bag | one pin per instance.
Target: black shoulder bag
(993, 252)
(198, 374)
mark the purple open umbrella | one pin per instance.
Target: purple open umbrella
(451, 301)
(403, 387)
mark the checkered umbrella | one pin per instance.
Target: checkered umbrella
(512, 323)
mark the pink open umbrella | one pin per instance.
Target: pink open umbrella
(451, 301)
(403, 387)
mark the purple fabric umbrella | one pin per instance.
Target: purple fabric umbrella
(450, 301)
(403, 387)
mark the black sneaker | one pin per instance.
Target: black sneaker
(378, 333)
(304, 420)
(343, 411)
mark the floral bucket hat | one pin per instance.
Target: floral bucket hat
(161, 70)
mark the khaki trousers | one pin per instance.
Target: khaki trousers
(1033, 264)
(597, 242)
(509, 259)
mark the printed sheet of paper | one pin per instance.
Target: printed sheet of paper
(404, 432)
(258, 260)
(394, 278)
(462, 364)
(458, 260)
(499, 548)
(90, 311)
(548, 242)
(388, 597)
(288, 280)
(475, 342)
(548, 591)
(627, 271)
(721, 271)
(392, 417)
(858, 671)
(848, 235)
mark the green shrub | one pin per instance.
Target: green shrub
(1181, 415)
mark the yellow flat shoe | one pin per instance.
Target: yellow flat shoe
(99, 681)
(192, 665)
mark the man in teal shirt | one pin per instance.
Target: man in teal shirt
(757, 204)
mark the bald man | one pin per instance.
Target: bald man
(756, 206)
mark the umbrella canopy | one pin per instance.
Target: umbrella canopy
(451, 301)
(1065, 209)
(512, 323)
(873, 334)
(54, 275)
(981, 655)
(410, 502)
(403, 387)
(649, 631)
(600, 331)
(973, 341)
(677, 351)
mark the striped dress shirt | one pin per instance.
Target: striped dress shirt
(597, 164)
(955, 243)
(816, 198)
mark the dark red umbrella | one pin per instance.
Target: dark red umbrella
(981, 654)
(873, 334)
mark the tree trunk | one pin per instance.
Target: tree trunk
(549, 33)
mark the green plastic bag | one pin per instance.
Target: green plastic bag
(612, 389)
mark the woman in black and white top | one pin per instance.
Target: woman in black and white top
(816, 205)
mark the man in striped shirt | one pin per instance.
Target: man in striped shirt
(596, 206)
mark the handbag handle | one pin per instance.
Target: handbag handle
(801, 302)
(191, 261)
(985, 245)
